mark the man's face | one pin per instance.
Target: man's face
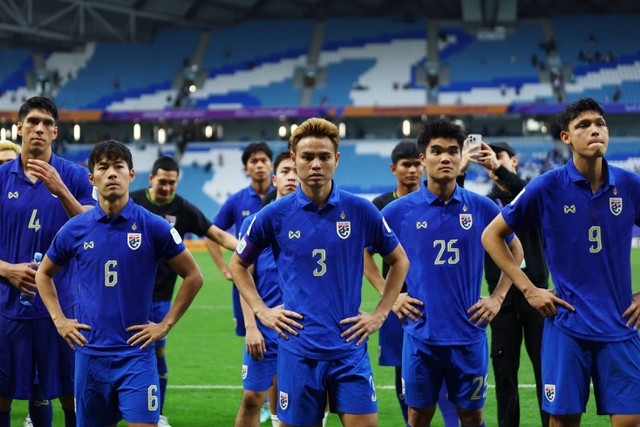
(6, 155)
(258, 167)
(285, 180)
(588, 135)
(408, 172)
(38, 130)
(442, 160)
(112, 178)
(163, 185)
(316, 161)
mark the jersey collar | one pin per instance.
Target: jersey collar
(306, 202)
(126, 213)
(577, 178)
(16, 167)
(432, 199)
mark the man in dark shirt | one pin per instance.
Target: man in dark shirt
(162, 200)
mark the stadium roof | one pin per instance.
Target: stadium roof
(63, 24)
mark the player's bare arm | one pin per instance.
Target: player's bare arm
(69, 329)
(253, 340)
(487, 308)
(493, 241)
(222, 237)
(216, 255)
(277, 318)
(22, 276)
(364, 324)
(188, 269)
(51, 179)
(632, 314)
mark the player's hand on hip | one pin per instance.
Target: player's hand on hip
(48, 175)
(406, 306)
(23, 277)
(254, 342)
(545, 301)
(69, 329)
(147, 334)
(484, 311)
(364, 324)
(633, 312)
(280, 320)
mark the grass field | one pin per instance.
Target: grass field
(205, 358)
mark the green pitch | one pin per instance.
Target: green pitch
(205, 359)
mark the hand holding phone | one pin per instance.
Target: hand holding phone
(474, 140)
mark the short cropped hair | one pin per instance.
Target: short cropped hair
(316, 127)
(440, 129)
(38, 103)
(405, 149)
(285, 155)
(6, 145)
(576, 108)
(256, 147)
(111, 150)
(165, 163)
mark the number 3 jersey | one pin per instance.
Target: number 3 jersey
(319, 255)
(587, 244)
(117, 260)
(31, 217)
(443, 244)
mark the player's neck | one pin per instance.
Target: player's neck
(26, 155)
(113, 207)
(592, 168)
(318, 195)
(403, 190)
(442, 190)
(261, 187)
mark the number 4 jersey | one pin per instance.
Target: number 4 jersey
(117, 260)
(31, 217)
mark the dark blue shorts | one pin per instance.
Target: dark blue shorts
(390, 342)
(257, 375)
(33, 351)
(110, 388)
(303, 385)
(570, 364)
(464, 369)
(238, 318)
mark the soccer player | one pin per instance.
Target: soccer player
(261, 343)
(587, 210)
(39, 193)
(117, 247)
(161, 199)
(440, 226)
(318, 236)
(256, 159)
(516, 319)
(8, 151)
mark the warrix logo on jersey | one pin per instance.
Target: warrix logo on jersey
(615, 205)
(134, 240)
(13, 195)
(466, 221)
(550, 392)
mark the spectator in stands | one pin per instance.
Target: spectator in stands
(617, 94)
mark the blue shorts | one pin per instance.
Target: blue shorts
(464, 369)
(238, 318)
(257, 375)
(159, 310)
(110, 388)
(30, 346)
(390, 342)
(569, 363)
(303, 385)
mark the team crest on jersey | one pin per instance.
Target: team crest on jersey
(134, 240)
(374, 398)
(284, 400)
(615, 205)
(550, 392)
(466, 220)
(343, 228)
(171, 219)
(245, 370)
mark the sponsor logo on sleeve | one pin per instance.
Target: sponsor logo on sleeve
(176, 236)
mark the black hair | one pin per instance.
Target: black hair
(111, 150)
(256, 147)
(165, 163)
(576, 108)
(39, 103)
(285, 155)
(440, 129)
(405, 149)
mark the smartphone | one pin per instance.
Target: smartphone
(474, 139)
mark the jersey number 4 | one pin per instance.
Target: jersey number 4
(34, 221)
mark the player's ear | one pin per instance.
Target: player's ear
(132, 175)
(337, 158)
(91, 178)
(564, 136)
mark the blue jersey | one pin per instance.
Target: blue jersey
(236, 208)
(266, 276)
(319, 254)
(31, 217)
(442, 242)
(117, 260)
(587, 245)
